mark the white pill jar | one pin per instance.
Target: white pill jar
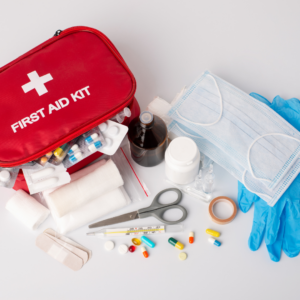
(182, 160)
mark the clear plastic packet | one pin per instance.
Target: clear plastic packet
(134, 184)
(61, 152)
(46, 177)
(8, 177)
(192, 190)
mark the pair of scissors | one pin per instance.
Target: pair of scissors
(154, 210)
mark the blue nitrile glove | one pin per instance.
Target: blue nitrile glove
(281, 223)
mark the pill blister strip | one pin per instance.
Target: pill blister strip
(83, 147)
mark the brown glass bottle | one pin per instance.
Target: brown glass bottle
(148, 139)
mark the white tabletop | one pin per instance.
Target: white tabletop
(167, 44)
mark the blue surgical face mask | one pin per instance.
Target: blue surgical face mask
(221, 158)
(252, 135)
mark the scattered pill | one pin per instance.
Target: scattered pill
(191, 237)
(4, 176)
(109, 245)
(123, 249)
(147, 241)
(182, 256)
(136, 241)
(144, 251)
(175, 243)
(215, 242)
(103, 126)
(213, 232)
(131, 248)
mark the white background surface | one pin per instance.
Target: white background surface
(252, 44)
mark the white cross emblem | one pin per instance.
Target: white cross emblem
(37, 83)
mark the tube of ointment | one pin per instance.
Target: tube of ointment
(133, 231)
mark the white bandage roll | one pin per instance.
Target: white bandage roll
(93, 210)
(91, 186)
(28, 210)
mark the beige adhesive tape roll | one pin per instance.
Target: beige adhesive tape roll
(211, 210)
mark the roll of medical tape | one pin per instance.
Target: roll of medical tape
(211, 210)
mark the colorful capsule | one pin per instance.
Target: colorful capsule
(147, 241)
(131, 248)
(90, 139)
(213, 232)
(175, 243)
(73, 150)
(215, 242)
(93, 147)
(75, 158)
(60, 150)
(144, 251)
(191, 237)
(136, 241)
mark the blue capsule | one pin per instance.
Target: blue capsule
(90, 139)
(147, 241)
(215, 242)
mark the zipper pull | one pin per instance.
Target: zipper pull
(58, 32)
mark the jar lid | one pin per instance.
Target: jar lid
(183, 150)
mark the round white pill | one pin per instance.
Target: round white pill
(4, 176)
(109, 245)
(103, 126)
(108, 142)
(123, 249)
(114, 130)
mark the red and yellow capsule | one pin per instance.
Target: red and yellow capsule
(144, 251)
(191, 237)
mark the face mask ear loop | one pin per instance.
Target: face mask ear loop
(248, 154)
(244, 183)
(221, 108)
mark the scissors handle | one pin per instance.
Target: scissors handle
(157, 209)
(155, 203)
(158, 214)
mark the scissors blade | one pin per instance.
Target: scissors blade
(115, 220)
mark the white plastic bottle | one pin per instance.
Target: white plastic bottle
(182, 160)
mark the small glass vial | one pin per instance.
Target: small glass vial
(209, 180)
(198, 181)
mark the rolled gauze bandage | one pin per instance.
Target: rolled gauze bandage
(93, 210)
(28, 210)
(93, 185)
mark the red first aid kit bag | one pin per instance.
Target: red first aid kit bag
(59, 90)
